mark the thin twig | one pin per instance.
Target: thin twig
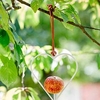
(14, 5)
(69, 22)
(85, 32)
(23, 2)
(9, 8)
(92, 28)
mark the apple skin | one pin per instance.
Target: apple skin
(53, 84)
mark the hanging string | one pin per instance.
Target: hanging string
(51, 10)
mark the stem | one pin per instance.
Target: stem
(14, 5)
(23, 75)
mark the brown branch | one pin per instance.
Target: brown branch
(92, 28)
(14, 5)
(23, 2)
(69, 22)
(9, 8)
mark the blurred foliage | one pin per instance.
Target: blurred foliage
(26, 33)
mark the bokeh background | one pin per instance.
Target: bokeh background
(35, 31)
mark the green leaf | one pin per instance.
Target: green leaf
(19, 57)
(47, 64)
(4, 18)
(34, 94)
(98, 61)
(35, 4)
(70, 14)
(4, 50)
(4, 38)
(15, 35)
(75, 14)
(58, 1)
(68, 26)
(18, 53)
(10, 35)
(40, 72)
(8, 72)
(64, 16)
(4, 22)
(15, 97)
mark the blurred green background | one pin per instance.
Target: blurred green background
(35, 31)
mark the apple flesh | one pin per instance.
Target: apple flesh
(53, 84)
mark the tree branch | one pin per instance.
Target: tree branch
(91, 28)
(69, 22)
